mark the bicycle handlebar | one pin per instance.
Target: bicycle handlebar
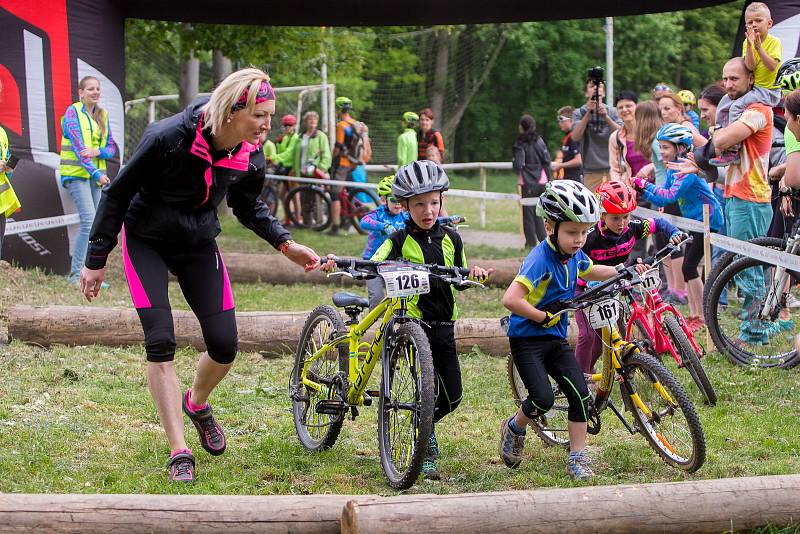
(369, 269)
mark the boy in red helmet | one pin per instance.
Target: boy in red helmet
(609, 243)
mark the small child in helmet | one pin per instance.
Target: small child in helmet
(419, 187)
(381, 223)
(689, 101)
(610, 242)
(407, 149)
(690, 192)
(538, 340)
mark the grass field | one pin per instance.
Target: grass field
(79, 419)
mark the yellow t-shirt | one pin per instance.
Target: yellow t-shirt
(763, 76)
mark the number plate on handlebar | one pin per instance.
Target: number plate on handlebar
(651, 280)
(404, 280)
(604, 314)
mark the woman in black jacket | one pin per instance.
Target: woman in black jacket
(533, 166)
(164, 201)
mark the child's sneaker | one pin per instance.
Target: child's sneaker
(728, 157)
(181, 467)
(211, 437)
(430, 470)
(578, 466)
(433, 447)
(511, 446)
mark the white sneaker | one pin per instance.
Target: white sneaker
(792, 301)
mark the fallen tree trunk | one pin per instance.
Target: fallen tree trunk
(276, 269)
(271, 332)
(171, 513)
(716, 505)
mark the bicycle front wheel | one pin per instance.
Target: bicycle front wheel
(738, 330)
(308, 207)
(405, 420)
(690, 359)
(317, 431)
(664, 414)
(552, 426)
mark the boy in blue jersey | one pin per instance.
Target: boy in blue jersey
(538, 341)
(381, 223)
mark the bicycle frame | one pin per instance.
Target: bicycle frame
(651, 317)
(359, 374)
(613, 348)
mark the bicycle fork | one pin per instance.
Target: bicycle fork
(774, 299)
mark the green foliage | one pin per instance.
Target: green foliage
(389, 70)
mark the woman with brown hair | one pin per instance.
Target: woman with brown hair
(85, 146)
(427, 136)
(532, 164)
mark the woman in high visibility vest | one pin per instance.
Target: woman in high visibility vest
(85, 146)
(9, 203)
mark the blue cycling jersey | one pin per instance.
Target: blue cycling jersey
(548, 279)
(690, 192)
(381, 224)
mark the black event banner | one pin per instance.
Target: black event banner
(46, 46)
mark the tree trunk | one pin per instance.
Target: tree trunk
(716, 505)
(440, 75)
(221, 66)
(269, 332)
(470, 88)
(189, 81)
(171, 513)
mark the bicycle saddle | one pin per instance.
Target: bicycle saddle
(344, 300)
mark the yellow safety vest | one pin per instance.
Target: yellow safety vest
(90, 131)
(9, 203)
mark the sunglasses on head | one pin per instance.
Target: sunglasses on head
(662, 88)
(562, 119)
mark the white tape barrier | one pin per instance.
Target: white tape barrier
(486, 195)
(745, 248)
(22, 227)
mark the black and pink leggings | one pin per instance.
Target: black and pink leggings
(204, 282)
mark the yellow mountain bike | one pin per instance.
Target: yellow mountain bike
(661, 410)
(333, 365)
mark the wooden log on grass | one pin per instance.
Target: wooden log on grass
(276, 269)
(171, 513)
(270, 332)
(716, 505)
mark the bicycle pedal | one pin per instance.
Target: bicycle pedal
(374, 393)
(330, 407)
(353, 413)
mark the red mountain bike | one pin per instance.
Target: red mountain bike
(660, 328)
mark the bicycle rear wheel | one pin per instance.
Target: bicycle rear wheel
(690, 359)
(727, 257)
(736, 329)
(552, 426)
(362, 201)
(315, 207)
(405, 419)
(664, 414)
(269, 196)
(317, 431)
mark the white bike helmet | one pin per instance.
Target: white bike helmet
(565, 200)
(419, 177)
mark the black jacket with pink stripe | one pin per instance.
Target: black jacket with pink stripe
(169, 191)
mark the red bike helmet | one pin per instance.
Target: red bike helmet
(616, 197)
(289, 120)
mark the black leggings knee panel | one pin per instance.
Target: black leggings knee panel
(537, 358)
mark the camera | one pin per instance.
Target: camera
(595, 74)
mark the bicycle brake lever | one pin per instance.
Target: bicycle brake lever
(471, 283)
(340, 273)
